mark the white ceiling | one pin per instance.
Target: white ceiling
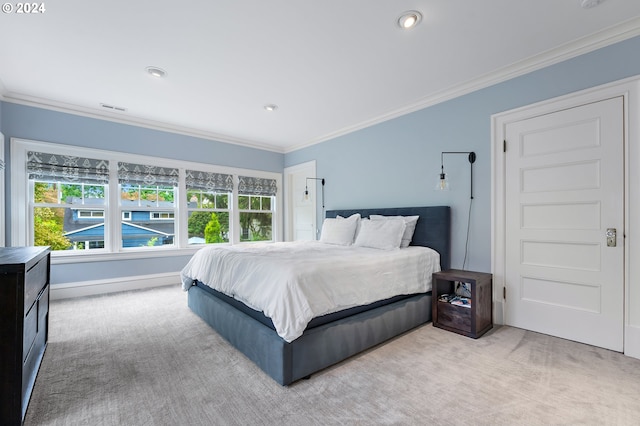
(331, 66)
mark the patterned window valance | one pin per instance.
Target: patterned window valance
(67, 168)
(141, 174)
(257, 186)
(209, 181)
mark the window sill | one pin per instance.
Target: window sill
(61, 258)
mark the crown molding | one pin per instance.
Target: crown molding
(606, 37)
(132, 121)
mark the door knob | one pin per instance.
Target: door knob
(611, 237)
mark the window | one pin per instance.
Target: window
(63, 186)
(89, 203)
(149, 192)
(207, 200)
(255, 201)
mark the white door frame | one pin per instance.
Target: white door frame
(629, 89)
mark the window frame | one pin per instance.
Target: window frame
(150, 210)
(250, 210)
(21, 203)
(97, 221)
(214, 209)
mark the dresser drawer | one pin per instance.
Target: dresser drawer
(30, 331)
(34, 281)
(43, 308)
(30, 369)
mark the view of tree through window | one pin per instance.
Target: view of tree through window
(208, 217)
(148, 196)
(57, 218)
(256, 217)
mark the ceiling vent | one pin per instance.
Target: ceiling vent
(588, 4)
(113, 108)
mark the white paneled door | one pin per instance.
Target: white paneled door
(564, 198)
(301, 213)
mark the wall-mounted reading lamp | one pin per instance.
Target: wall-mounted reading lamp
(443, 185)
(306, 190)
(443, 182)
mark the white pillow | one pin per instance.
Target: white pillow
(381, 234)
(410, 221)
(340, 231)
(357, 226)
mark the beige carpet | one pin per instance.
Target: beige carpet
(142, 358)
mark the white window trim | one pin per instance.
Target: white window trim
(93, 214)
(22, 226)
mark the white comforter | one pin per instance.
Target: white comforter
(293, 282)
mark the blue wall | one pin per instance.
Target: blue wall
(52, 126)
(396, 163)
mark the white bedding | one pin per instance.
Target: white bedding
(293, 282)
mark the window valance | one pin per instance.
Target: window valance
(141, 174)
(257, 186)
(67, 168)
(209, 181)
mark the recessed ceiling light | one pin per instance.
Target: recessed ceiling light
(271, 107)
(156, 72)
(409, 19)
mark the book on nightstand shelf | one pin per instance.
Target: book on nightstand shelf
(454, 299)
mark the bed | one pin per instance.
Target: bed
(331, 338)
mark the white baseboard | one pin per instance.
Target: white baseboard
(498, 312)
(92, 288)
(632, 341)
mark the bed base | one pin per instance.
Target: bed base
(328, 344)
(317, 348)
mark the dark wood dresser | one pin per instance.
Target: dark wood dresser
(24, 323)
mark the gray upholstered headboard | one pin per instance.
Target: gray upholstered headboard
(432, 230)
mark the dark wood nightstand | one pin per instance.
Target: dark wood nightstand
(471, 321)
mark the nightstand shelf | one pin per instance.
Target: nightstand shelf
(472, 322)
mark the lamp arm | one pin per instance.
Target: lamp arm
(306, 188)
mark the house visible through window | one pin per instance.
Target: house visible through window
(149, 223)
(148, 191)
